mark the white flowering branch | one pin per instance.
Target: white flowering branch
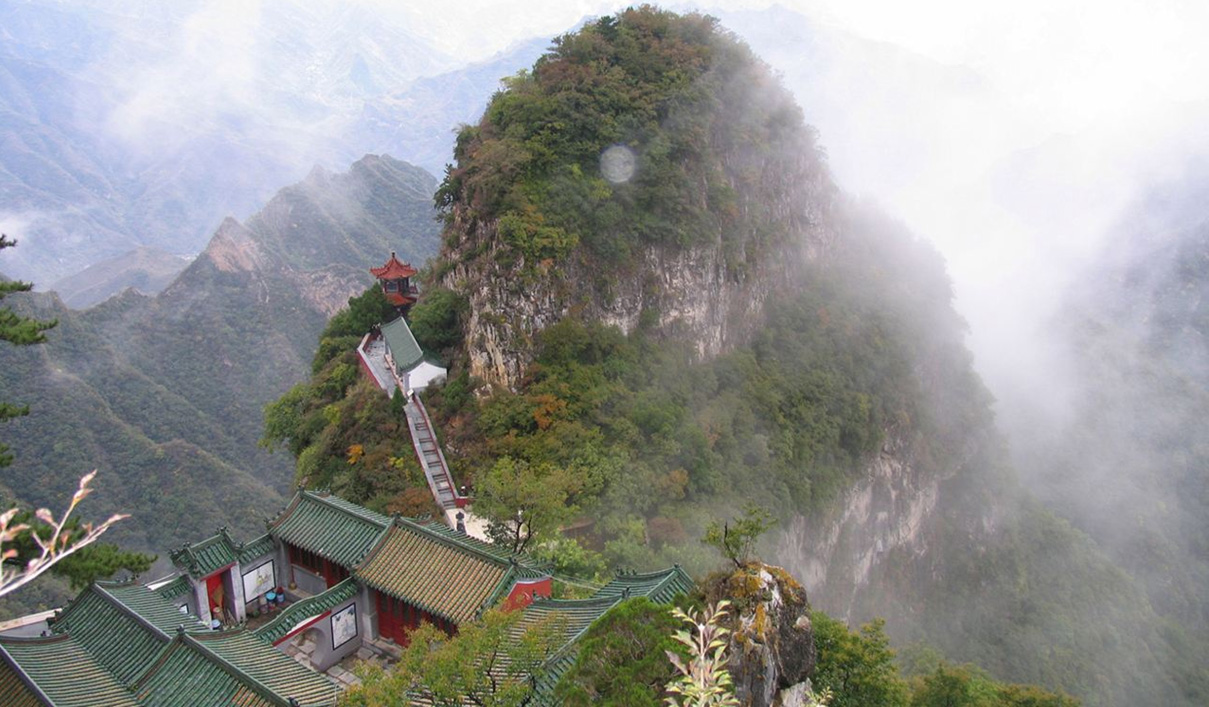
(59, 545)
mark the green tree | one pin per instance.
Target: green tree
(345, 329)
(436, 320)
(493, 662)
(858, 668)
(101, 561)
(33, 543)
(82, 568)
(621, 659)
(736, 539)
(970, 686)
(19, 331)
(363, 311)
(524, 502)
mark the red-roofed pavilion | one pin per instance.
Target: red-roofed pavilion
(395, 277)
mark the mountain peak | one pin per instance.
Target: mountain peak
(675, 203)
(318, 175)
(233, 248)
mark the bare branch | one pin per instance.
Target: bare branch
(57, 547)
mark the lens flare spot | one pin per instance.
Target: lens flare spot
(617, 163)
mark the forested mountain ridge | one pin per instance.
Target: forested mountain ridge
(164, 394)
(655, 335)
(848, 404)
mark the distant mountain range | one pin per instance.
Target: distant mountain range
(164, 394)
(147, 270)
(129, 124)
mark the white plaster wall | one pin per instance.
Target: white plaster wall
(423, 375)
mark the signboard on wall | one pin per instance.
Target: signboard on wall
(344, 626)
(258, 581)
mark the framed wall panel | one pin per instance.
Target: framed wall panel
(344, 626)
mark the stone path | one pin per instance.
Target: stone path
(424, 439)
(343, 672)
(440, 481)
(373, 353)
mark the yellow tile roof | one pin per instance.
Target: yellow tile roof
(444, 577)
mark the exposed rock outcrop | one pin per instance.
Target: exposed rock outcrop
(884, 512)
(771, 650)
(686, 293)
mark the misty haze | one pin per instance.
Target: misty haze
(884, 322)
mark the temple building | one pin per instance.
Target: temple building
(327, 574)
(394, 360)
(129, 645)
(390, 354)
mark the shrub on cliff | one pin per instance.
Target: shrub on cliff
(621, 658)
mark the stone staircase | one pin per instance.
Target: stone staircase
(424, 439)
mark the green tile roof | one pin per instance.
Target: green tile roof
(116, 637)
(62, 670)
(206, 557)
(436, 572)
(213, 669)
(218, 551)
(268, 666)
(402, 344)
(329, 526)
(125, 645)
(304, 609)
(661, 587)
(186, 676)
(175, 588)
(256, 548)
(572, 618)
(530, 567)
(14, 688)
(150, 605)
(573, 615)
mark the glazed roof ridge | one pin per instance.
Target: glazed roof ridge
(302, 609)
(103, 687)
(343, 506)
(99, 589)
(524, 561)
(449, 539)
(393, 268)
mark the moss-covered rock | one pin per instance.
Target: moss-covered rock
(772, 640)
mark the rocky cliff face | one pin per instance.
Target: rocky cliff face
(835, 553)
(692, 294)
(771, 650)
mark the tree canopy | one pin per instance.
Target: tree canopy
(621, 661)
(19, 331)
(492, 662)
